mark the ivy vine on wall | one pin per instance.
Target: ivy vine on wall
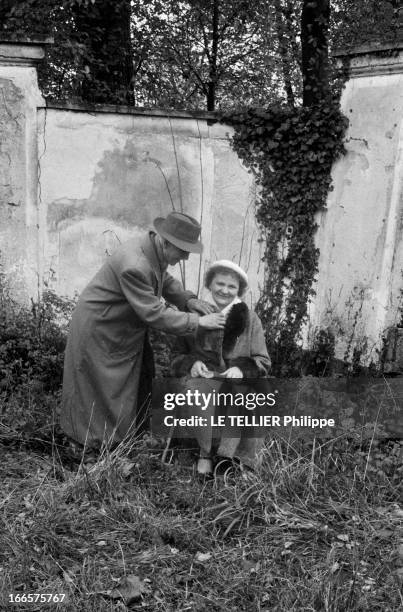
(290, 151)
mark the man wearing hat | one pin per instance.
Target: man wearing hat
(105, 381)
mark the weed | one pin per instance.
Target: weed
(311, 530)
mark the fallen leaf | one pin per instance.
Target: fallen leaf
(202, 557)
(27, 503)
(398, 512)
(67, 578)
(129, 589)
(384, 533)
(248, 565)
(268, 581)
(343, 537)
(127, 468)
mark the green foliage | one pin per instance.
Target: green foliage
(162, 346)
(182, 54)
(213, 54)
(290, 152)
(91, 59)
(356, 23)
(32, 342)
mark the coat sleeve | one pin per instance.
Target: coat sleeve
(149, 308)
(258, 346)
(174, 293)
(258, 363)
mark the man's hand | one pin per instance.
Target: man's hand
(200, 370)
(200, 306)
(215, 320)
(233, 372)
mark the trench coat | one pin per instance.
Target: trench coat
(242, 344)
(107, 342)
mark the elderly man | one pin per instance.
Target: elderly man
(105, 379)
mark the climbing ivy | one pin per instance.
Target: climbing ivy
(290, 151)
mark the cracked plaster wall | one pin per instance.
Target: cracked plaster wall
(19, 236)
(360, 234)
(104, 177)
(12, 218)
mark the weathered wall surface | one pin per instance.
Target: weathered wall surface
(360, 234)
(75, 183)
(19, 98)
(103, 177)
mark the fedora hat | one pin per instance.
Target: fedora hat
(181, 230)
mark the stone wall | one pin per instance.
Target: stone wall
(19, 99)
(104, 177)
(360, 233)
(74, 182)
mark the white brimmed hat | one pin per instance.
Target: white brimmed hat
(231, 266)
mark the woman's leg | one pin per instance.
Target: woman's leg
(206, 389)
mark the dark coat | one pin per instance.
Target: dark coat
(108, 336)
(240, 344)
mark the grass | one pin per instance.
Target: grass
(318, 527)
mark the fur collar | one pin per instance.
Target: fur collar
(235, 325)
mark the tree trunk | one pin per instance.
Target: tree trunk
(104, 28)
(314, 45)
(284, 51)
(212, 84)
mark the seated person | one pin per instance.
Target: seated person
(236, 352)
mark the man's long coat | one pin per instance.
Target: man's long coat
(108, 335)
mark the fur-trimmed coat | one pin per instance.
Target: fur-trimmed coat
(241, 343)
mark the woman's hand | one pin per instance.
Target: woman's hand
(233, 372)
(216, 320)
(200, 370)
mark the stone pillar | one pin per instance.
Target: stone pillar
(360, 234)
(19, 210)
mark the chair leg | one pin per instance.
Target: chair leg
(168, 443)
